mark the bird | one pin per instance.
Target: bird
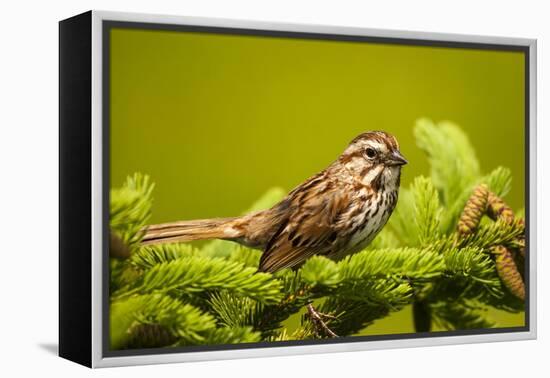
(334, 213)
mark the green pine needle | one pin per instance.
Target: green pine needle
(427, 210)
(131, 208)
(148, 257)
(182, 320)
(195, 274)
(404, 262)
(320, 271)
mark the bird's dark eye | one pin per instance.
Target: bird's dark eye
(370, 152)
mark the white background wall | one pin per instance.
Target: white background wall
(28, 185)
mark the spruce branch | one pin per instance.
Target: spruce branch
(427, 210)
(421, 201)
(413, 263)
(494, 233)
(454, 166)
(179, 319)
(471, 263)
(402, 229)
(233, 310)
(460, 315)
(246, 256)
(499, 181)
(321, 272)
(147, 257)
(149, 336)
(195, 274)
(130, 209)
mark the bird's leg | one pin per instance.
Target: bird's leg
(317, 320)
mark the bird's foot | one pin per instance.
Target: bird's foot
(317, 318)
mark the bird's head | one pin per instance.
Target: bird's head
(373, 153)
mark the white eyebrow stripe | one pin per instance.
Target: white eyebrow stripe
(378, 146)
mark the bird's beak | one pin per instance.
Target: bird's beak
(396, 159)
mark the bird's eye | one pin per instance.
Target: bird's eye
(370, 152)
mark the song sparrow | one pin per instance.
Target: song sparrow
(336, 212)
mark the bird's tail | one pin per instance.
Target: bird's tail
(184, 231)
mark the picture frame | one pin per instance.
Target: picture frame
(85, 140)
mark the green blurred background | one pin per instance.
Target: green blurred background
(216, 119)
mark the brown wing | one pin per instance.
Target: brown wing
(311, 227)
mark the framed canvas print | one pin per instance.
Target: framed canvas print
(233, 189)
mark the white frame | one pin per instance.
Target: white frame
(97, 189)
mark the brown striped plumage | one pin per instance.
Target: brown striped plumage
(334, 213)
